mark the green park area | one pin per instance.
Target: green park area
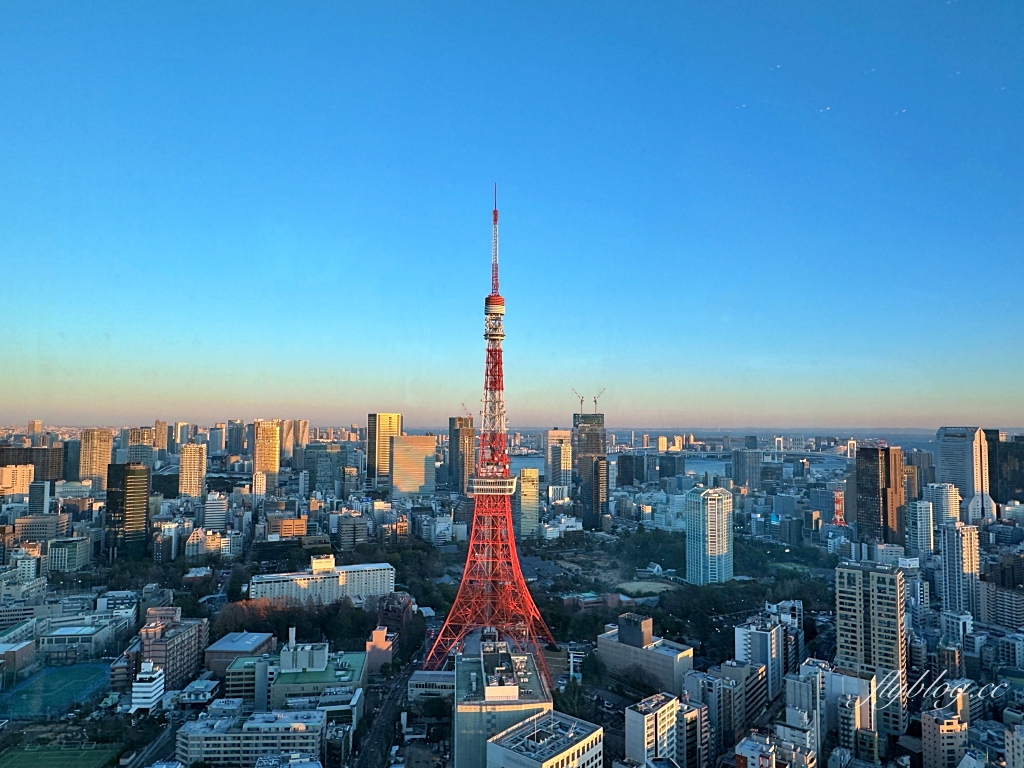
(59, 757)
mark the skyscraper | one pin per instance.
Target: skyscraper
(709, 535)
(960, 568)
(94, 456)
(236, 437)
(35, 427)
(380, 428)
(141, 436)
(1005, 466)
(560, 465)
(287, 438)
(552, 438)
(180, 434)
(412, 465)
(39, 497)
(266, 457)
(945, 501)
(526, 504)
(591, 443)
(880, 495)
(160, 435)
(920, 535)
(461, 451)
(192, 471)
(746, 467)
(871, 635)
(963, 461)
(127, 514)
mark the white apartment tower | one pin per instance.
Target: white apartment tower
(920, 524)
(960, 568)
(708, 535)
(651, 728)
(945, 500)
(962, 454)
(192, 471)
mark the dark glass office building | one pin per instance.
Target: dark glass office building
(127, 516)
(881, 495)
(1005, 466)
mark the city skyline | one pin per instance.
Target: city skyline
(759, 232)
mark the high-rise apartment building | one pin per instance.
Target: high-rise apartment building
(959, 589)
(963, 461)
(215, 513)
(235, 437)
(560, 465)
(287, 438)
(552, 438)
(412, 465)
(945, 501)
(266, 456)
(526, 504)
(160, 435)
(746, 468)
(598, 486)
(179, 434)
(762, 641)
(127, 514)
(920, 528)
(141, 436)
(461, 452)
(94, 456)
(35, 427)
(881, 501)
(871, 635)
(709, 535)
(192, 471)
(380, 428)
(944, 736)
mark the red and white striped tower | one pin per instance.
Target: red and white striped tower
(493, 592)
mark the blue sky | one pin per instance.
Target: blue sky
(727, 214)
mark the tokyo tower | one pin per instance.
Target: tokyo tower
(493, 593)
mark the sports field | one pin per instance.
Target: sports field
(22, 757)
(52, 692)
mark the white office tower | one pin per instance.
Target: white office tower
(959, 588)
(192, 471)
(651, 728)
(847, 701)
(708, 535)
(963, 461)
(945, 500)
(804, 716)
(920, 533)
(148, 687)
(545, 740)
(216, 512)
(552, 468)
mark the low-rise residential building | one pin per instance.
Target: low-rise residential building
(326, 583)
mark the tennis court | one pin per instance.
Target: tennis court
(52, 692)
(57, 757)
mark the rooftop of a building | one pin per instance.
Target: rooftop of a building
(241, 662)
(82, 631)
(546, 735)
(495, 667)
(293, 760)
(309, 572)
(653, 704)
(658, 644)
(341, 668)
(280, 720)
(240, 642)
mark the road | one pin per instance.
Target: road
(377, 742)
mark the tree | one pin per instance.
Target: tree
(593, 670)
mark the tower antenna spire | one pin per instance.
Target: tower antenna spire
(494, 246)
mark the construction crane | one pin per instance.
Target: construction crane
(465, 410)
(603, 390)
(581, 397)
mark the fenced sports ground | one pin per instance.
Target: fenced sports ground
(52, 692)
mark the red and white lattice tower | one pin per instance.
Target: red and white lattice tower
(493, 593)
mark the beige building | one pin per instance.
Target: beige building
(192, 471)
(412, 465)
(944, 736)
(1015, 747)
(94, 457)
(15, 479)
(631, 646)
(552, 438)
(325, 583)
(548, 740)
(494, 691)
(871, 636)
(266, 455)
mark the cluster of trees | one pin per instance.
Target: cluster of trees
(753, 557)
(346, 628)
(417, 564)
(636, 550)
